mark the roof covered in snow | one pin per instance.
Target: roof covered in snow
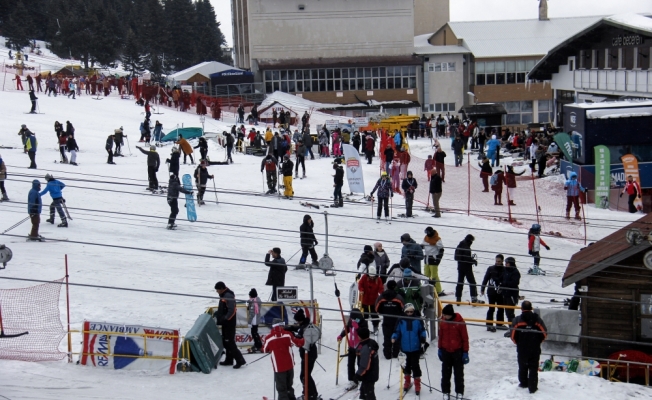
(423, 47)
(206, 69)
(612, 104)
(300, 104)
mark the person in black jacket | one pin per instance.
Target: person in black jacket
(528, 332)
(153, 162)
(175, 156)
(71, 145)
(389, 157)
(368, 366)
(458, 150)
(269, 165)
(440, 166)
(366, 258)
(225, 316)
(511, 280)
(203, 147)
(493, 280)
(286, 170)
(277, 270)
(201, 178)
(409, 185)
(32, 98)
(465, 263)
(109, 149)
(307, 141)
(436, 192)
(390, 306)
(308, 241)
(485, 172)
(174, 187)
(338, 182)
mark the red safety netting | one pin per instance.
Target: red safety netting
(34, 310)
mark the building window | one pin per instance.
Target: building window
(443, 107)
(545, 109)
(441, 67)
(502, 72)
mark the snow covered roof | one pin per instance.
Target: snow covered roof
(423, 47)
(523, 37)
(300, 104)
(631, 21)
(619, 113)
(206, 69)
(613, 104)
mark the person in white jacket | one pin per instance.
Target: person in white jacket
(433, 250)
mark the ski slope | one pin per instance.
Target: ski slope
(111, 207)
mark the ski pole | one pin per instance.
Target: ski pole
(215, 189)
(128, 145)
(389, 377)
(13, 226)
(428, 372)
(262, 175)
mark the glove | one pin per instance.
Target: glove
(440, 354)
(529, 252)
(475, 262)
(547, 247)
(465, 358)
(339, 338)
(422, 340)
(156, 170)
(621, 195)
(424, 348)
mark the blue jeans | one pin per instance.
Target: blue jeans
(458, 159)
(337, 193)
(387, 163)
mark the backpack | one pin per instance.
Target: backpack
(494, 180)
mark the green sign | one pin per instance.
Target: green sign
(602, 176)
(564, 142)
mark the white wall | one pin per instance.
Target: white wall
(445, 87)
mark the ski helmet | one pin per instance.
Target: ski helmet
(430, 231)
(536, 228)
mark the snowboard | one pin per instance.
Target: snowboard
(190, 202)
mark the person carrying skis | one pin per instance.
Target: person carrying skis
(633, 190)
(269, 165)
(279, 343)
(573, 189)
(356, 322)
(153, 163)
(528, 332)
(368, 366)
(304, 322)
(511, 280)
(277, 270)
(308, 241)
(534, 243)
(202, 145)
(338, 182)
(465, 263)
(382, 261)
(433, 250)
(412, 251)
(493, 280)
(174, 187)
(390, 305)
(384, 187)
(411, 334)
(369, 288)
(71, 145)
(409, 185)
(453, 351)
(286, 170)
(225, 316)
(34, 207)
(109, 148)
(3, 177)
(54, 187)
(186, 148)
(201, 178)
(174, 161)
(254, 306)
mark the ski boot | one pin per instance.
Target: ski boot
(491, 328)
(4, 197)
(459, 396)
(417, 386)
(567, 214)
(304, 175)
(407, 384)
(38, 238)
(447, 396)
(50, 220)
(63, 224)
(577, 216)
(171, 226)
(352, 386)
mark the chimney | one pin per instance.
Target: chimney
(543, 10)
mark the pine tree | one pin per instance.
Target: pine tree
(179, 17)
(209, 36)
(132, 55)
(18, 28)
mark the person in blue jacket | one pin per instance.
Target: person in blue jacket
(493, 150)
(55, 187)
(34, 207)
(411, 333)
(573, 189)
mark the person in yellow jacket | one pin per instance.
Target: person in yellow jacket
(286, 170)
(433, 250)
(186, 148)
(268, 136)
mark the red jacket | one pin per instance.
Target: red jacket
(370, 289)
(453, 336)
(632, 188)
(279, 342)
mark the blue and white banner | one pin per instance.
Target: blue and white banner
(353, 165)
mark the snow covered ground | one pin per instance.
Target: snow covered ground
(241, 226)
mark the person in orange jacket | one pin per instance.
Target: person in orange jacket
(186, 148)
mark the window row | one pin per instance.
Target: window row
(522, 112)
(491, 67)
(500, 79)
(441, 67)
(442, 107)
(338, 73)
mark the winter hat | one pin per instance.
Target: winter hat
(510, 261)
(448, 310)
(391, 285)
(405, 237)
(493, 136)
(404, 263)
(430, 231)
(377, 245)
(368, 248)
(253, 293)
(48, 177)
(372, 271)
(409, 173)
(152, 148)
(407, 273)
(300, 316)
(469, 238)
(363, 332)
(175, 149)
(408, 307)
(277, 250)
(220, 285)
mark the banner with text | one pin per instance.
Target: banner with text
(353, 165)
(630, 164)
(132, 347)
(564, 142)
(602, 176)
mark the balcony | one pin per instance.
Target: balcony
(613, 80)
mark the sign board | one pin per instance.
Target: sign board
(353, 167)
(602, 176)
(287, 293)
(331, 123)
(630, 163)
(360, 121)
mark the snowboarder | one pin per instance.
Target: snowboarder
(409, 185)
(30, 145)
(34, 207)
(3, 177)
(384, 187)
(356, 322)
(277, 270)
(203, 147)
(633, 190)
(109, 148)
(118, 136)
(485, 172)
(254, 307)
(186, 148)
(465, 263)
(304, 321)
(412, 251)
(153, 163)
(453, 351)
(511, 280)
(369, 288)
(528, 332)
(492, 282)
(338, 182)
(308, 241)
(32, 98)
(225, 316)
(279, 342)
(269, 165)
(573, 189)
(368, 366)
(174, 161)
(71, 145)
(534, 243)
(54, 187)
(390, 305)
(411, 334)
(433, 250)
(286, 169)
(300, 152)
(201, 178)
(174, 187)
(382, 261)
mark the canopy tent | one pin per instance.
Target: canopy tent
(187, 133)
(205, 68)
(198, 78)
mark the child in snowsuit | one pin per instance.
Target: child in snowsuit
(356, 321)
(368, 367)
(411, 333)
(535, 242)
(254, 305)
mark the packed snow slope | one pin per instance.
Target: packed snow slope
(111, 208)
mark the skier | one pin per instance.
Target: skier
(534, 243)
(201, 177)
(433, 250)
(174, 161)
(54, 187)
(254, 306)
(286, 169)
(277, 270)
(34, 207)
(573, 189)
(409, 186)
(369, 288)
(356, 322)
(338, 182)
(465, 263)
(412, 251)
(436, 192)
(410, 289)
(308, 241)
(300, 152)
(303, 321)
(493, 280)
(633, 190)
(24, 133)
(269, 165)
(203, 147)
(279, 342)
(69, 128)
(186, 148)
(485, 173)
(497, 181)
(109, 148)
(30, 146)
(384, 187)
(118, 136)
(411, 334)
(382, 261)
(390, 305)
(528, 332)
(174, 187)
(153, 163)
(19, 82)
(3, 176)
(71, 144)
(30, 80)
(368, 366)
(32, 98)
(230, 140)
(453, 351)
(225, 316)
(511, 280)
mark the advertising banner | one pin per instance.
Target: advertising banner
(361, 121)
(353, 166)
(133, 347)
(563, 140)
(630, 164)
(602, 176)
(331, 124)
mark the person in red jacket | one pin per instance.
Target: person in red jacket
(279, 343)
(633, 190)
(370, 286)
(453, 350)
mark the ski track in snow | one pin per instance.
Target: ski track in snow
(490, 375)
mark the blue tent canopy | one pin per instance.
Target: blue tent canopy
(188, 133)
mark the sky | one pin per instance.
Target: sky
(474, 10)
